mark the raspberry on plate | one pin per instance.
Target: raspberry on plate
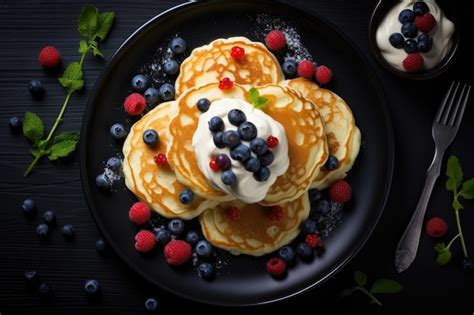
(313, 240)
(177, 252)
(413, 62)
(305, 69)
(144, 241)
(323, 74)
(436, 227)
(340, 192)
(139, 213)
(275, 40)
(49, 57)
(276, 266)
(134, 104)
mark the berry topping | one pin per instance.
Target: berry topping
(258, 146)
(226, 84)
(406, 15)
(178, 45)
(192, 237)
(36, 89)
(177, 252)
(410, 46)
(49, 57)
(144, 241)
(236, 117)
(304, 251)
(323, 207)
(266, 158)
(163, 236)
(287, 254)
(92, 287)
(223, 161)
(233, 213)
(151, 96)
(425, 42)
(275, 40)
(262, 174)
(397, 40)
(151, 137)
(151, 304)
(218, 139)
(118, 131)
(228, 177)
(160, 159)
(237, 53)
(289, 68)
(247, 131)
(332, 163)
(139, 213)
(409, 30)
(413, 62)
(306, 69)
(166, 92)
(140, 83)
(15, 124)
(186, 196)
(231, 138)
(134, 104)
(323, 74)
(340, 192)
(272, 142)
(240, 153)
(213, 165)
(276, 213)
(171, 67)
(436, 227)
(113, 163)
(308, 227)
(276, 266)
(252, 164)
(203, 105)
(102, 181)
(176, 226)
(216, 124)
(313, 240)
(420, 8)
(204, 249)
(425, 23)
(205, 270)
(68, 232)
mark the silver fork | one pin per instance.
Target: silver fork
(444, 130)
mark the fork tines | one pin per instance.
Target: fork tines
(447, 115)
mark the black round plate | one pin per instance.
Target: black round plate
(245, 280)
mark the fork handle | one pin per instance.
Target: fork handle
(408, 244)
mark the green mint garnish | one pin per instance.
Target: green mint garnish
(258, 101)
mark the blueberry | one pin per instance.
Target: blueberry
(31, 277)
(231, 138)
(425, 42)
(262, 174)
(315, 194)
(420, 8)
(406, 15)
(203, 249)
(203, 105)
(166, 92)
(102, 181)
(192, 237)
(258, 146)
(323, 207)
(308, 227)
(151, 137)
(178, 45)
(92, 287)
(267, 158)
(218, 139)
(397, 40)
(223, 161)
(15, 124)
(101, 246)
(118, 131)
(287, 254)
(176, 226)
(216, 124)
(163, 236)
(206, 271)
(140, 83)
(28, 207)
(409, 30)
(252, 164)
(36, 89)
(410, 46)
(49, 218)
(240, 153)
(151, 304)
(304, 251)
(171, 67)
(228, 177)
(186, 196)
(45, 290)
(113, 163)
(42, 230)
(289, 68)
(332, 163)
(247, 131)
(68, 231)
(236, 117)
(152, 96)
(468, 265)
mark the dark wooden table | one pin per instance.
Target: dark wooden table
(26, 26)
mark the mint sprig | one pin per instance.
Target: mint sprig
(93, 27)
(379, 286)
(258, 101)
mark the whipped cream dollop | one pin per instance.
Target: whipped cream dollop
(246, 188)
(442, 34)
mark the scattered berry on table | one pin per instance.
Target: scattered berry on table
(410, 46)
(289, 68)
(15, 124)
(425, 42)
(216, 124)
(275, 40)
(31, 277)
(468, 265)
(288, 255)
(36, 89)
(134, 104)
(315, 194)
(177, 252)
(102, 181)
(420, 8)
(68, 232)
(258, 146)
(205, 270)
(323, 74)
(252, 164)
(139, 213)
(406, 15)
(152, 96)
(163, 236)
(313, 240)
(45, 290)
(192, 237)
(436, 227)
(272, 142)
(213, 165)
(231, 138)
(332, 163)
(113, 163)
(233, 213)
(151, 304)
(237, 53)
(171, 67)
(226, 84)
(425, 23)
(186, 196)
(49, 218)
(92, 287)
(178, 45)
(304, 251)
(28, 207)
(118, 131)
(308, 227)
(305, 69)
(151, 137)
(223, 161)
(228, 177)
(323, 207)
(262, 174)
(49, 57)
(160, 159)
(166, 92)
(413, 62)
(266, 158)
(236, 117)
(247, 131)
(240, 153)
(276, 213)
(409, 30)
(140, 83)
(203, 105)
(397, 40)
(276, 266)
(42, 230)
(176, 226)
(144, 241)
(204, 249)
(340, 192)
(101, 246)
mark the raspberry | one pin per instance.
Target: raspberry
(276, 267)
(134, 104)
(237, 53)
(139, 213)
(144, 241)
(425, 22)
(413, 62)
(276, 213)
(160, 159)
(340, 192)
(313, 240)
(213, 165)
(177, 252)
(275, 40)
(49, 57)
(436, 227)
(272, 142)
(323, 74)
(233, 213)
(226, 84)
(305, 69)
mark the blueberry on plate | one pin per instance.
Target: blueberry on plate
(323, 207)
(236, 117)
(101, 246)
(397, 40)
(186, 196)
(406, 15)
(151, 137)
(176, 226)
(420, 8)
(228, 177)
(203, 105)
(304, 251)
(152, 96)
(258, 146)
(287, 254)
(151, 304)
(206, 270)
(223, 161)
(332, 163)
(216, 124)
(45, 290)
(231, 138)
(113, 163)
(247, 131)
(240, 153)
(92, 287)
(166, 92)
(266, 158)
(409, 30)
(171, 67)
(203, 249)
(31, 277)
(102, 181)
(28, 207)
(140, 83)
(36, 89)
(42, 230)
(252, 164)
(68, 231)
(178, 45)
(289, 68)
(262, 174)
(15, 124)
(163, 236)
(192, 237)
(49, 218)
(308, 227)
(217, 137)
(410, 46)
(118, 131)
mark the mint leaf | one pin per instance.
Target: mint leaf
(83, 47)
(467, 190)
(61, 149)
(439, 247)
(386, 286)
(457, 205)
(87, 21)
(454, 173)
(360, 278)
(257, 101)
(444, 257)
(104, 23)
(96, 52)
(68, 135)
(33, 127)
(72, 77)
(36, 152)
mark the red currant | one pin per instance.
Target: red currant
(160, 159)
(233, 213)
(313, 240)
(272, 142)
(276, 213)
(237, 53)
(226, 84)
(213, 165)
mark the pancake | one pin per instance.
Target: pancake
(342, 134)
(254, 232)
(212, 62)
(153, 184)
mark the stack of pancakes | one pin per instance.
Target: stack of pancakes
(317, 123)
